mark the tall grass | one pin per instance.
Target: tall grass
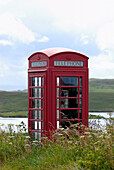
(68, 149)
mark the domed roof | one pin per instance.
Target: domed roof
(52, 51)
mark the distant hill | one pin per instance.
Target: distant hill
(101, 97)
(101, 94)
(13, 101)
(102, 84)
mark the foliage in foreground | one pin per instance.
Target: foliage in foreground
(68, 149)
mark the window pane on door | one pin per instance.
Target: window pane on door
(36, 92)
(69, 114)
(69, 81)
(66, 124)
(69, 103)
(36, 114)
(69, 92)
(36, 103)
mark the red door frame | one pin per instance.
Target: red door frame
(30, 75)
(72, 73)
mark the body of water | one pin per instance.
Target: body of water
(16, 121)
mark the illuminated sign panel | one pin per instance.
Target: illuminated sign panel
(68, 63)
(39, 64)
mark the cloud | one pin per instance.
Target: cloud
(5, 2)
(84, 39)
(15, 29)
(44, 39)
(101, 66)
(6, 42)
(105, 37)
(4, 69)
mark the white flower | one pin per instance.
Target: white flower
(11, 136)
(82, 136)
(87, 133)
(35, 141)
(76, 142)
(10, 143)
(27, 145)
(27, 137)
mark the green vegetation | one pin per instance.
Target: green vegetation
(101, 98)
(14, 114)
(101, 95)
(67, 149)
(13, 104)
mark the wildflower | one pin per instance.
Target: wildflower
(27, 145)
(69, 141)
(35, 141)
(44, 137)
(10, 143)
(11, 136)
(107, 137)
(89, 136)
(61, 129)
(76, 142)
(101, 136)
(81, 137)
(87, 133)
(27, 137)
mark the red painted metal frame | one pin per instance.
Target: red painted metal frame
(50, 73)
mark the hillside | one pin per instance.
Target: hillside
(101, 98)
(101, 94)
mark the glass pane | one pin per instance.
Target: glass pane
(80, 114)
(36, 92)
(36, 103)
(80, 103)
(69, 81)
(57, 103)
(36, 136)
(39, 81)
(66, 124)
(69, 92)
(36, 125)
(57, 92)
(36, 114)
(36, 81)
(80, 92)
(80, 81)
(57, 81)
(69, 114)
(57, 124)
(57, 114)
(33, 81)
(69, 103)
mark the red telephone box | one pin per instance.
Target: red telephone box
(57, 90)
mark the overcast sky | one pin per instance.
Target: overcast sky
(27, 26)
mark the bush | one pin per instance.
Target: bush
(67, 149)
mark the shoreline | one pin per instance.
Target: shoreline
(26, 116)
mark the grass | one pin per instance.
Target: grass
(13, 101)
(14, 114)
(101, 101)
(67, 149)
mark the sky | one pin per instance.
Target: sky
(28, 26)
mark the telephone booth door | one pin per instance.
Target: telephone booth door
(70, 98)
(36, 96)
